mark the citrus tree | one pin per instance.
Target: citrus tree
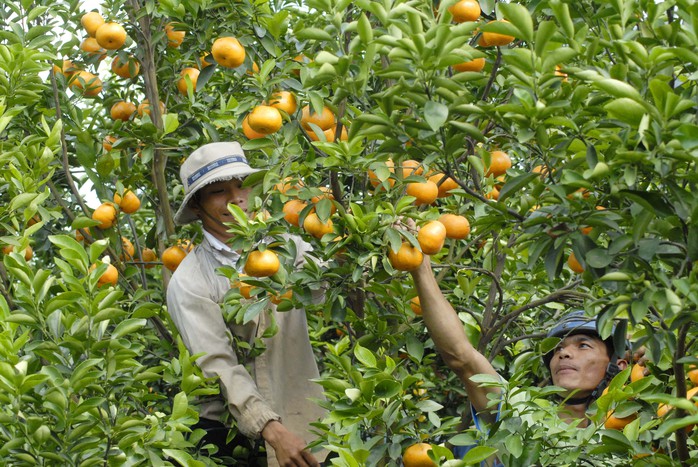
(542, 153)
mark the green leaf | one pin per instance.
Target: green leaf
(387, 388)
(625, 109)
(252, 310)
(519, 16)
(653, 202)
(598, 258)
(365, 29)
(179, 406)
(171, 123)
(365, 356)
(514, 185)
(544, 32)
(436, 114)
(127, 326)
(313, 34)
(479, 454)
(415, 347)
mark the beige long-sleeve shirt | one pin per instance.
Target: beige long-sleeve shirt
(273, 386)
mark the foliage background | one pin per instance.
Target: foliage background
(94, 375)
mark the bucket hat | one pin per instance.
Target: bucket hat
(213, 162)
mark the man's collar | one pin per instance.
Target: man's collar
(216, 243)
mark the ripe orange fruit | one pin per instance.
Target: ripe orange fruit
(292, 210)
(315, 227)
(111, 36)
(92, 48)
(278, 298)
(254, 70)
(67, 68)
(144, 108)
(615, 423)
(122, 110)
(326, 194)
(287, 184)
(692, 374)
(105, 214)
(79, 236)
(445, 184)
(85, 83)
(476, 65)
(324, 120)
(91, 21)
(329, 135)
(174, 37)
(262, 263)
(543, 170)
(431, 237)
(559, 72)
(129, 251)
(637, 373)
(494, 39)
(457, 227)
(228, 52)
(493, 194)
(28, 251)
(301, 59)
(425, 192)
(129, 203)
(125, 69)
(416, 306)
(108, 277)
(243, 287)
(148, 256)
(375, 181)
(108, 142)
(34, 220)
(193, 74)
(249, 132)
(500, 162)
(574, 264)
(417, 455)
(265, 119)
(579, 193)
(204, 61)
(411, 167)
(173, 256)
(465, 10)
(407, 258)
(587, 230)
(284, 100)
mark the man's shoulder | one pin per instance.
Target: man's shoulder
(191, 271)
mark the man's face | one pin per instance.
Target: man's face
(212, 207)
(579, 362)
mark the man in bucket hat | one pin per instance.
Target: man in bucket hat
(269, 396)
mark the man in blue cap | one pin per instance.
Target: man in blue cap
(582, 363)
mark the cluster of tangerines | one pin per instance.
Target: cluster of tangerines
(27, 252)
(101, 37)
(636, 374)
(426, 189)
(467, 11)
(267, 118)
(107, 215)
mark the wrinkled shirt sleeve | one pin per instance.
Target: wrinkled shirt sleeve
(200, 323)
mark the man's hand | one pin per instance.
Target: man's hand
(290, 449)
